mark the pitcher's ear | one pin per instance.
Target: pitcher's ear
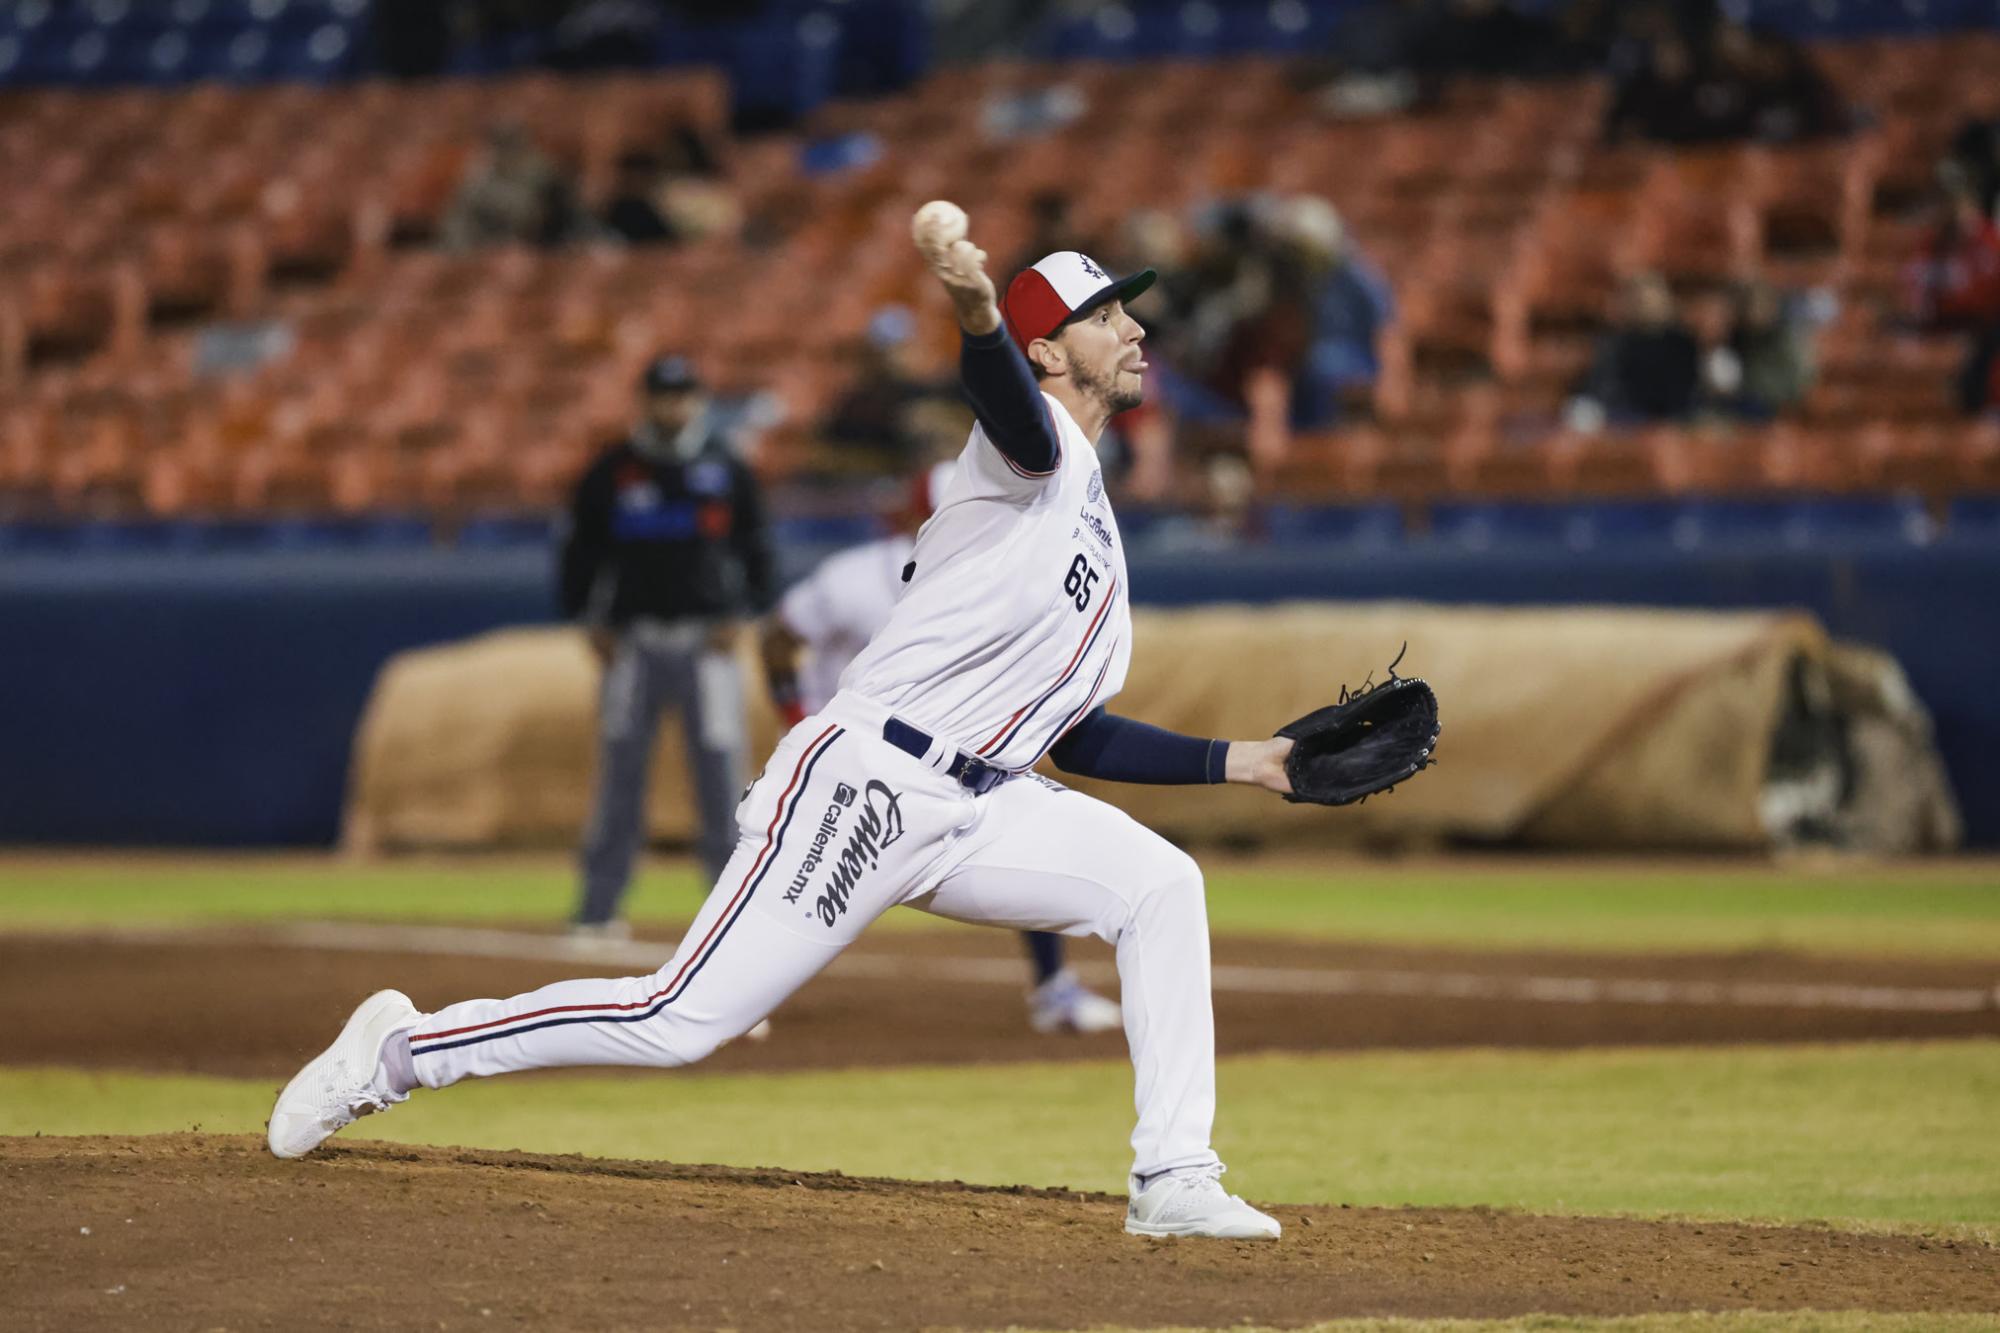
(1048, 357)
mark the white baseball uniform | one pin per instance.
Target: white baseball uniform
(1014, 625)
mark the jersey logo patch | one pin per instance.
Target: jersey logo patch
(828, 830)
(1095, 491)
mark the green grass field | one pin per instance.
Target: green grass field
(1755, 1321)
(1876, 1136)
(1950, 909)
(1737, 1321)
(1895, 1135)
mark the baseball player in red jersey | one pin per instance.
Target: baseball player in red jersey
(911, 786)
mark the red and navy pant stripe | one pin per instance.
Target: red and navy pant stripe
(638, 1011)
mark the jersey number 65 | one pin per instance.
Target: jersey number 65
(1077, 582)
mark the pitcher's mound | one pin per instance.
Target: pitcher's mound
(207, 1231)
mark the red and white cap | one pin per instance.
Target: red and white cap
(1058, 288)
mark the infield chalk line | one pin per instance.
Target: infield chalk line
(651, 955)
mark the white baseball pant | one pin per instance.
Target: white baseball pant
(840, 827)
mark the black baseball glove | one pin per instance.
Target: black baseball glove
(1369, 741)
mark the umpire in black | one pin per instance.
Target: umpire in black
(666, 554)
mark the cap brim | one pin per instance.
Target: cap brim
(1124, 289)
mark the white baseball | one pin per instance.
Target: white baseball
(938, 225)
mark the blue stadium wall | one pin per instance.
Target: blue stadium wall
(210, 700)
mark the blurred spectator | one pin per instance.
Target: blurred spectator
(1050, 228)
(687, 150)
(1979, 380)
(1399, 54)
(1154, 238)
(1765, 363)
(412, 38)
(1490, 37)
(1139, 447)
(1719, 83)
(1656, 100)
(876, 414)
(633, 212)
(1972, 163)
(1372, 72)
(1223, 516)
(604, 34)
(1792, 99)
(1138, 450)
(1222, 332)
(1955, 284)
(1955, 281)
(512, 194)
(1026, 113)
(695, 208)
(1350, 306)
(1647, 366)
(1280, 321)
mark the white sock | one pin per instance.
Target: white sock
(396, 1071)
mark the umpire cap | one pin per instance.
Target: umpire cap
(670, 374)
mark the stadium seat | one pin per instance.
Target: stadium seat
(320, 55)
(122, 534)
(39, 536)
(1572, 525)
(1374, 525)
(1704, 522)
(1504, 224)
(1800, 523)
(1107, 32)
(1871, 517)
(1615, 523)
(372, 531)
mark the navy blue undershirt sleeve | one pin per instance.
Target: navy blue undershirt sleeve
(1008, 403)
(1119, 749)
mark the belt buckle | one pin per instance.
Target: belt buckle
(981, 777)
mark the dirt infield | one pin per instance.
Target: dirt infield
(245, 1003)
(367, 1236)
(209, 1232)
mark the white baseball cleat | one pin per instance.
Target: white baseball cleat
(1195, 1204)
(1061, 1004)
(338, 1086)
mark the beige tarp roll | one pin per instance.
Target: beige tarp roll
(1588, 726)
(1579, 727)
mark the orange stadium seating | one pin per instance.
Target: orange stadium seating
(421, 379)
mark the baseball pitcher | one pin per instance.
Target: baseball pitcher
(911, 786)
